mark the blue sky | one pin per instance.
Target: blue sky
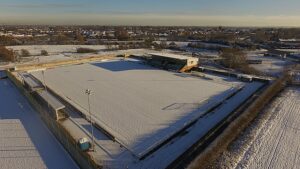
(152, 12)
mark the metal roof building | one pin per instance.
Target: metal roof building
(17, 149)
(189, 61)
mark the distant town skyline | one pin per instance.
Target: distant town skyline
(153, 13)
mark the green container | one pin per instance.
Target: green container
(84, 144)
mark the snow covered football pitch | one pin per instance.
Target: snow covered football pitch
(139, 105)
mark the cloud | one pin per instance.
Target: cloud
(151, 19)
(49, 5)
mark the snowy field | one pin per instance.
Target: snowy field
(290, 50)
(69, 52)
(55, 52)
(54, 49)
(25, 141)
(179, 44)
(270, 66)
(277, 145)
(140, 105)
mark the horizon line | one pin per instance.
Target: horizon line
(134, 25)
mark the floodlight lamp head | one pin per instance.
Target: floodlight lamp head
(88, 92)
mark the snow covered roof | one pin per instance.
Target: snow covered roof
(53, 102)
(17, 149)
(2, 74)
(173, 56)
(29, 80)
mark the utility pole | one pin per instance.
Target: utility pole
(88, 92)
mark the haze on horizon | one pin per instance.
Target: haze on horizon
(155, 12)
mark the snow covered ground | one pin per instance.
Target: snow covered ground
(179, 44)
(25, 141)
(54, 49)
(55, 52)
(270, 65)
(277, 145)
(140, 105)
(71, 50)
(290, 50)
(68, 52)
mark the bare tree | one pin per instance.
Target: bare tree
(80, 38)
(233, 58)
(44, 53)
(25, 53)
(122, 34)
(6, 54)
(86, 50)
